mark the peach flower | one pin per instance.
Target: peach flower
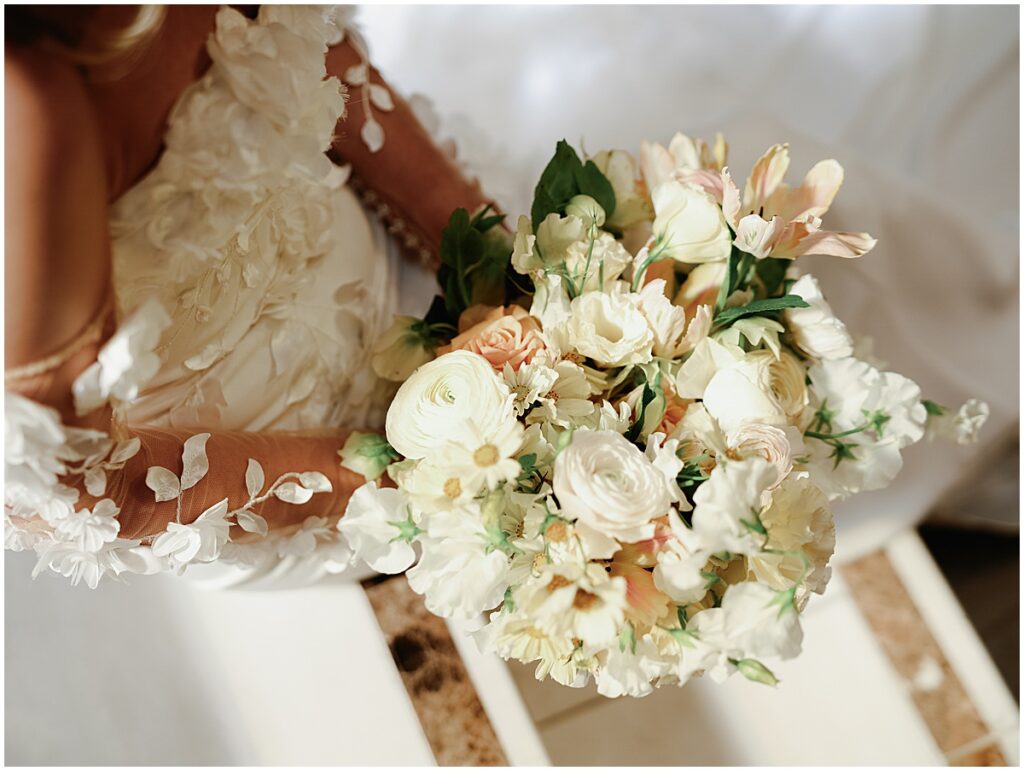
(501, 335)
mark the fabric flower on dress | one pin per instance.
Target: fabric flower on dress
(200, 541)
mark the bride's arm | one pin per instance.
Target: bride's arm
(58, 272)
(412, 175)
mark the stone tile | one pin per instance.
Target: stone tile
(441, 691)
(936, 690)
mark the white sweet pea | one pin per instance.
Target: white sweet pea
(200, 541)
(689, 225)
(727, 505)
(815, 329)
(379, 529)
(430, 406)
(556, 234)
(524, 254)
(458, 574)
(626, 672)
(748, 625)
(680, 564)
(962, 425)
(610, 329)
(605, 482)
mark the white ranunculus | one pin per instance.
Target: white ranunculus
(725, 505)
(816, 330)
(742, 393)
(605, 482)
(429, 407)
(772, 443)
(374, 524)
(689, 225)
(610, 329)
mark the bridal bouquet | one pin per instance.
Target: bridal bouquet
(620, 435)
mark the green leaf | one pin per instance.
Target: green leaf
(772, 271)
(590, 181)
(739, 266)
(932, 408)
(558, 183)
(759, 308)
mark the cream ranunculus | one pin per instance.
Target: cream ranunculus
(773, 444)
(429, 407)
(742, 393)
(604, 482)
(816, 330)
(689, 225)
(610, 329)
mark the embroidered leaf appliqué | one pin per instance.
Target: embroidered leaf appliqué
(125, 451)
(251, 522)
(315, 481)
(254, 478)
(381, 98)
(290, 492)
(96, 481)
(163, 482)
(194, 462)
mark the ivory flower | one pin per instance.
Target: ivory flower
(798, 521)
(726, 505)
(584, 603)
(672, 335)
(774, 444)
(605, 482)
(610, 329)
(960, 426)
(631, 206)
(401, 349)
(688, 225)
(378, 527)
(503, 336)
(483, 461)
(429, 407)
(815, 329)
(741, 393)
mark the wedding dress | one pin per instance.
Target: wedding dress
(250, 284)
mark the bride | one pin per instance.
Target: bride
(204, 210)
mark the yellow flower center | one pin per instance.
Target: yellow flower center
(486, 455)
(584, 600)
(556, 532)
(453, 488)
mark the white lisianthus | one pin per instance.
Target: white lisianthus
(726, 506)
(960, 426)
(798, 521)
(401, 349)
(672, 335)
(378, 527)
(429, 408)
(610, 329)
(458, 574)
(605, 482)
(816, 330)
(689, 225)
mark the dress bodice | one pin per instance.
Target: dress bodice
(264, 262)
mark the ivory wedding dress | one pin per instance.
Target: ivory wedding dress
(250, 285)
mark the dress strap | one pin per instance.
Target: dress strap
(91, 334)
